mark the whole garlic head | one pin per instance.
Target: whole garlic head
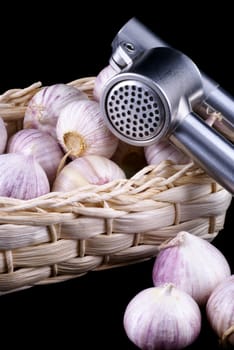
(22, 177)
(103, 76)
(192, 264)
(162, 317)
(92, 169)
(81, 130)
(44, 108)
(163, 150)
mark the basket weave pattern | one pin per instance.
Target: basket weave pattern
(60, 236)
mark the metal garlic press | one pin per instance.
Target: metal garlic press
(157, 92)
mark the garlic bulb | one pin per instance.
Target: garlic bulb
(44, 108)
(220, 310)
(162, 318)
(163, 150)
(3, 136)
(104, 75)
(191, 263)
(39, 144)
(81, 130)
(86, 170)
(22, 177)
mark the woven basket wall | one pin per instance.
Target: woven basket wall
(64, 235)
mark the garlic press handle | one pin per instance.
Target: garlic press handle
(208, 148)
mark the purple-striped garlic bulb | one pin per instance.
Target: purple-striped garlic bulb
(45, 106)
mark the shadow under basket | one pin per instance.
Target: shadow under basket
(60, 236)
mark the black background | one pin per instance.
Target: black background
(63, 43)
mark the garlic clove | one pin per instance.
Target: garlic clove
(104, 75)
(44, 108)
(163, 150)
(86, 170)
(3, 136)
(162, 318)
(191, 263)
(39, 144)
(22, 177)
(81, 130)
(220, 310)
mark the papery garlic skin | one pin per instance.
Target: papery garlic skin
(163, 150)
(41, 145)
(103, 76)
(220, 310)
(3, 136)
(95, 170)
(44, 108)
(161, 318)
(193, 264)
(22, 177)
(81, 130)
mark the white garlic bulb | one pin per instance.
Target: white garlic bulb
(86, 170)
(22, 177)
(193, 264)
(41, 145)
(104, 75)
(162, 318)
(163, 150)
(220, 311)
(44, 108)
(81, 130)
(3, 136)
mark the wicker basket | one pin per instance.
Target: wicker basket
(60, 236)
